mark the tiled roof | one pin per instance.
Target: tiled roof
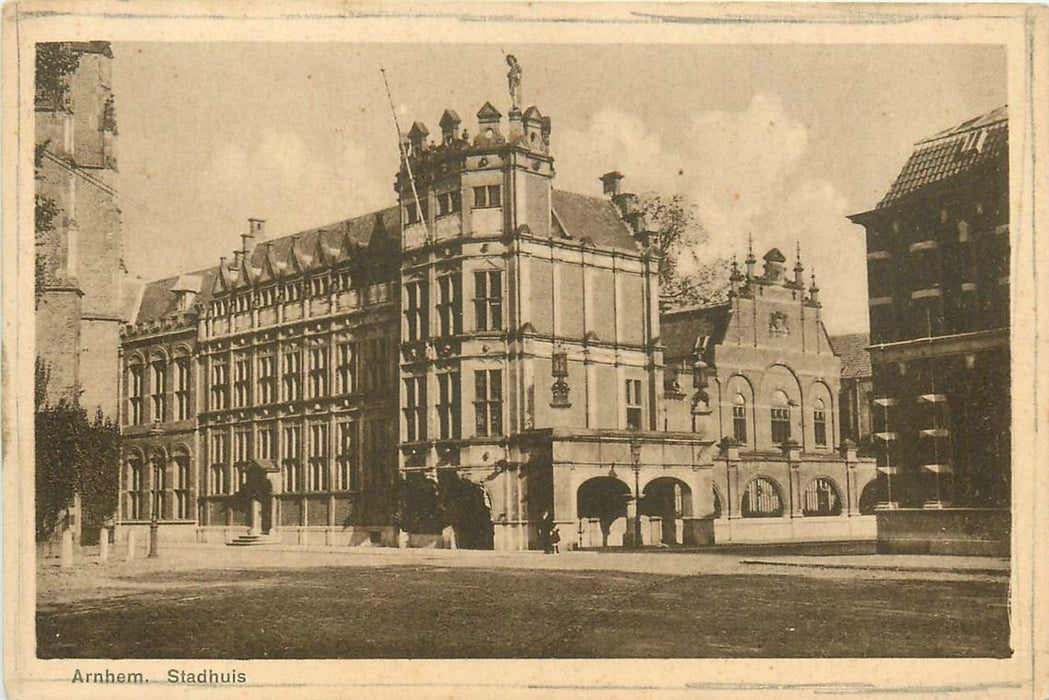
(681, 328)
(158, 300)
(374, 229)
(852, 349)
(593, 218)
(977, 142)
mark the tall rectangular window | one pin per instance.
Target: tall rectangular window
(449, 203)
(739, 420)
(450, 304)
(219, 384)
(633, 404)
(780, 424)
(416, 301)
(318, 467)
(291, 374)
(448, 414)
(291, 468)
(346, 478)
(488, 401)
(219, 460)
(159, 382)
(318, 372)
(241, 379)
(488, 300)
(415, 408)
(375, 364)
(819, 424)
(182, 380)
(134, 489)
(182, 487)
(345, 368)
(412, 212)
(267, 381)
(487, 196)
(135, 374)
(159, 487)
(266, 442)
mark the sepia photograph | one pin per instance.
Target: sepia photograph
(482, 336)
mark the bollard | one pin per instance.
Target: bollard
(67, 549)
(130, 545)
(103, 546)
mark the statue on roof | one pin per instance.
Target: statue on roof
(513, 78)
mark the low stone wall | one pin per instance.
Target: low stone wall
(786, 529)
(952, 531)
(166, 532)
(362, 536)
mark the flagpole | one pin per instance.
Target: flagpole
(404, 156)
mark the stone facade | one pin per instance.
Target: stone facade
(489, 349)
(760, 375)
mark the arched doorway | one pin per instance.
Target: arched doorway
(667, 502)
(821, 497)
(468, 510)
(601, 509)
(257, 495)
(871, 495)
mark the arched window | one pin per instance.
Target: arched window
(739, 419)
(717, 503)
(761, 499)
(821, 498)
(819, 422)
(780, 418)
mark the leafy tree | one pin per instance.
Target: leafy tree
(54, 61)
(680, 238)
(74, 456)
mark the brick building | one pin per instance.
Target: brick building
(759, 374)
(489, 349)
(938, 269)
(80, 300)
(82, 297)
(856, 399)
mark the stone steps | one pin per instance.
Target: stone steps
(252, 540)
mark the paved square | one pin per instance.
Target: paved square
(285, 604)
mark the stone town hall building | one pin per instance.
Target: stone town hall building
(491, 348)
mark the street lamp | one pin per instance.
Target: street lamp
(635, 457)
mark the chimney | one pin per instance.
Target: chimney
(238, 256)
(611, 182)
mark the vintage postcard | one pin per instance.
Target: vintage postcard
(524, 350)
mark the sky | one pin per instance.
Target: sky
(778, 142)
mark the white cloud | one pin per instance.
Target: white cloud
(744, 172)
